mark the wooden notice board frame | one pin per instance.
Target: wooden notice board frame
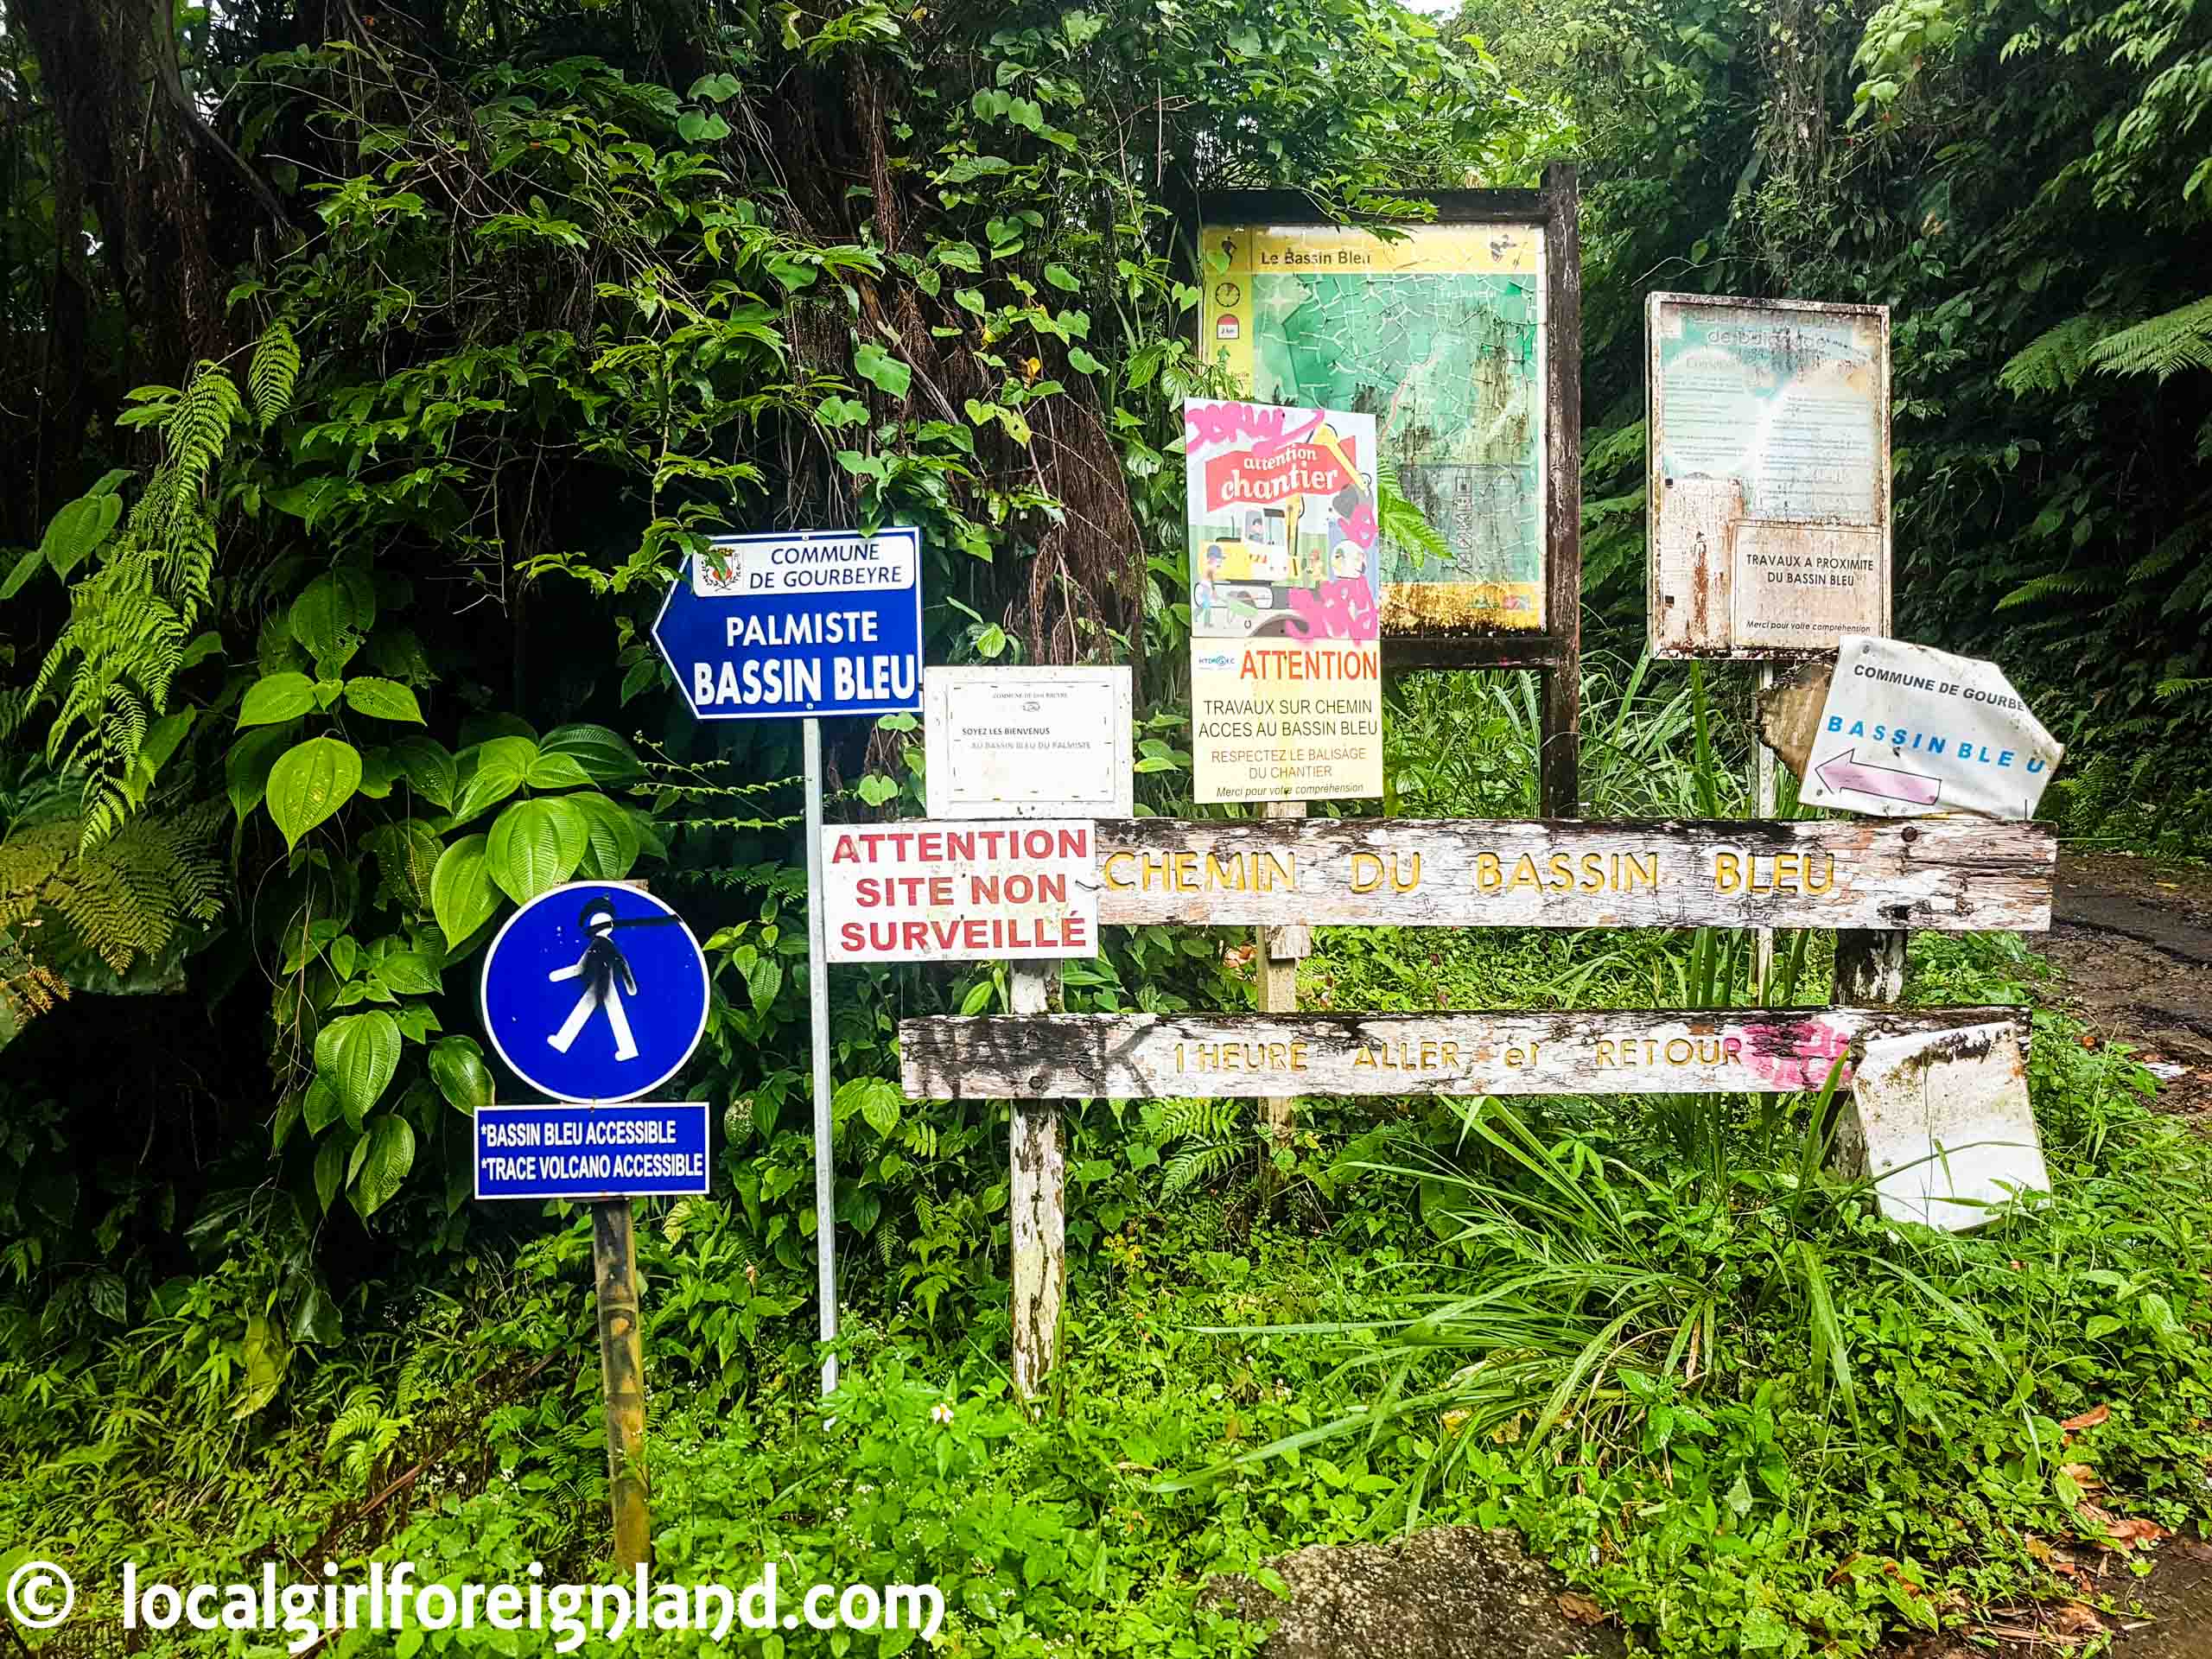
(1555, 651)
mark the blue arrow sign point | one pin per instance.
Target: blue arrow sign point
(595, 992)
(809, 622)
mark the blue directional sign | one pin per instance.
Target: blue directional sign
(808, 622)
(595, 992)
(637, 1149)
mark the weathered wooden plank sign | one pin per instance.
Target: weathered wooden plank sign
(1150, 1057)
(1948, 876)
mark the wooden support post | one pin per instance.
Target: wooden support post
(1869, 973)
(1558, 765)
(622, 1379)
(1764, 790)
(1038, 1198)
(1278, 952)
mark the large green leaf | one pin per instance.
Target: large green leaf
(427, 768)
(407, 973)
(490, 771)
(871, 362)
(603, 755)
(462, 897)
(76, 531)
(382, 699)
(379, 1167)
(333, 615)
(457, 1067)
(535, 845)
(320, 1108)
(330, 1159)
(275, 697)
(265, 1354)
(557, 772)
(612, 841)
(356, 1054)
(408, 852)
(245, 768)
(309, 782)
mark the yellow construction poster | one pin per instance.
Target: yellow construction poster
(1286, 653)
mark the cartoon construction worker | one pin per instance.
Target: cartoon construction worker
(1203, 600)
(605, 973)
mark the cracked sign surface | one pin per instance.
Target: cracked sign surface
(1907, 732)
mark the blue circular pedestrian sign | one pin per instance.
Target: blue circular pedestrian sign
(594, 991)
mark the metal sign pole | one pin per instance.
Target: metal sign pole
(817, 997)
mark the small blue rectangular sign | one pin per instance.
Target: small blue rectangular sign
(634, 1149)
(806, 622)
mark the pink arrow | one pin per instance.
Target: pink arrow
(1842, 772)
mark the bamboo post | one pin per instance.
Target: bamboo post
(622, 1379)
(1038, 1191)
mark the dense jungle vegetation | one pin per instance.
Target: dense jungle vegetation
(369, 369)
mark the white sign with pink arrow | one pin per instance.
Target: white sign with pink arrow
(1908, 731)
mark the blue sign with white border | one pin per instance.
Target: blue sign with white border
(594, 991)
(807, 622)
(634, 1149)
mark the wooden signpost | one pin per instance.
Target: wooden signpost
(1613, 1051)
(1604, 1051)
(1947, 875)
(1282, 875)
(1031, 744)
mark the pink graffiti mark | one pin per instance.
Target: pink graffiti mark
(1342, 608)
(1208, 425)
(1360, 525)
(1796, 1053)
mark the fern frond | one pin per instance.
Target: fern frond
(2056, 359)
(2053, 585)
(2164, 345)
(275, 371)
(1401, 518)
(1195, 1166)
(130, 620)
(126, 898)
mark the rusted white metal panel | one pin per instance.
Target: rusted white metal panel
(1768, 432)
(1946, 1125)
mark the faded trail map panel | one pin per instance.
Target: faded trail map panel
(1148, 1057)
(1440, 335)
(1948, 875)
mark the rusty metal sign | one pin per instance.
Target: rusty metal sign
(1769, 491)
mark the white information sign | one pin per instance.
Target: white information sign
(1907, 732)
(1028, 743)
(963, 891)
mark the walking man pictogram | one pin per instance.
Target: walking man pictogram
(605, 973)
